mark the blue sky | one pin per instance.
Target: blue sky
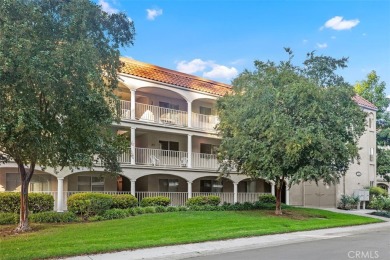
(217, 39)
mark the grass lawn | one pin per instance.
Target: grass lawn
(54, 240)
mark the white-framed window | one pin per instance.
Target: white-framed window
(168, 185)
(371, 123)
(90, 183)
(211, 186)
(40, 183)
(168, 105)
(12, 181)
(205, 110)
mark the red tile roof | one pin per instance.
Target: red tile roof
(364, 103)
(156, 73)
(152, 72)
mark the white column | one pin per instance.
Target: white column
(189, 151)
(189, 185)
(132, 146)
(273, 189)
(132, 104)
(60, 194)
(189, 113)
(235, 192)
(132, 187)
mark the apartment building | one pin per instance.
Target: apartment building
(168, 118)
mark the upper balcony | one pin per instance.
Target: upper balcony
(164, 107)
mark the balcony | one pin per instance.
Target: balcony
(166, 158)
(166, 116)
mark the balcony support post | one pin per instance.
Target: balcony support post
(189, 151)
(60, 194)
(132, 104)
(132, 187)
(189, 113)
(132, 146)
(235, 184)
(189, 185)
(273, 189)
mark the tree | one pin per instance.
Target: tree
(281, 123)
(58, 67)
(373, 90)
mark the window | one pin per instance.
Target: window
(205, 110)
(168, 185)
(169, 145)
(211, 186)
(90, 183)
(40, 183)
(12, 181)
(208, 148)
(168, 105)
(371, 121)
(250, 186)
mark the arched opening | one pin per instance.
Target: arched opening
(88, 181)
(40, 182)
(204, 113)
(383, 186)
(123, 184)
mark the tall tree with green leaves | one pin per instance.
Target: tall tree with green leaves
(373, 89)
(58, 68)
(287, 123)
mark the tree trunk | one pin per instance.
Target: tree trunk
(25, 180)
(278, 191)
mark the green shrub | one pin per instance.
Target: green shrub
(204, 200)
(267, 198)
(155, 201)
(9, 202)
(380, 203)
(37, 202)
(348, 202)
(8, 218)
(149, 210)
(89, 204)
(123, 201)
(161, 209)
(377, 191)
(172, 209)
(139, 211)
(182, 208)
(53, 217)
(114, 214)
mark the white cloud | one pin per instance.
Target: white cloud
(364, 34)
(221, 72)
(304, 41)
(333, 37)
(107, 7)
(322, 45)
(193, 66)
(338, 23)
(209, 68)
(153, 13)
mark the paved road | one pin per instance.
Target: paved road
(374, 244)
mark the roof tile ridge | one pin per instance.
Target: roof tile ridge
(174, 72)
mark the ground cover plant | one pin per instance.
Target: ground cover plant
(147, 230)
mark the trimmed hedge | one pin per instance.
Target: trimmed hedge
(267, 198)
(89, 204)
(53, 217)
(155, 201)
(123, 201)
(37, 202)
(8, 218)
(204, 200)
(377, 191)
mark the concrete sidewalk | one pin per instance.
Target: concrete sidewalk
(232, 245)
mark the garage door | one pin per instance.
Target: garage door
(319, 196)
